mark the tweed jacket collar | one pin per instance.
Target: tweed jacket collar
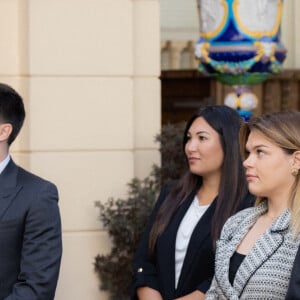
(265, 246)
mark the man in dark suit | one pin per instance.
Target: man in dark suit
(30, 228)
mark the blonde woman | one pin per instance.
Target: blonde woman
(257, 247)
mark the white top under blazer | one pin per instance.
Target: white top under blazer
(184, 233)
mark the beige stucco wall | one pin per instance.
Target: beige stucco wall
(291, 33)
(88, 71)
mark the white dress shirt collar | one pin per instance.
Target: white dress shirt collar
(4, 163)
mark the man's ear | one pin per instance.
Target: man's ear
(5, 131)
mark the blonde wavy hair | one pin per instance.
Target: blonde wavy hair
(283, 129)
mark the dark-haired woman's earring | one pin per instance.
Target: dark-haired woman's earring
(295, 172)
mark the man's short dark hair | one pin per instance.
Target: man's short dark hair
(11, 110)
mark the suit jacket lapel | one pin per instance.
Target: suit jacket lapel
(226, 248)
(200, 232)
(167, 244)
(8, 186)
(264, 248)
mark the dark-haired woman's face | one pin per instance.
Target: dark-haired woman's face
(203, 149)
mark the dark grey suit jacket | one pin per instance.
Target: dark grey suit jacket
(30, 236)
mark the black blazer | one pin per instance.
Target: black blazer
(158, 272)
(30, 236)
(293, 292)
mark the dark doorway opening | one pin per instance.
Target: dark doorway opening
(183, 91)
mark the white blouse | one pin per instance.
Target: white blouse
(184, 233)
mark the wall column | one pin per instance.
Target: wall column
(88, 71)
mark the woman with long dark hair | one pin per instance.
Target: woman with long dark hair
(175, 258)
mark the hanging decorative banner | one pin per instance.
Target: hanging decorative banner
(240, 45)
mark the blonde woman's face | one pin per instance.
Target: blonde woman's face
(203, 149)
(268, 168)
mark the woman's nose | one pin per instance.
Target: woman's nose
(247, 162)
(191, 145)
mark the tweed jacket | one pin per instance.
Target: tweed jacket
(265, 272)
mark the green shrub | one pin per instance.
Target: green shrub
(125, 219)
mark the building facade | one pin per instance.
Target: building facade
(89, 74)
